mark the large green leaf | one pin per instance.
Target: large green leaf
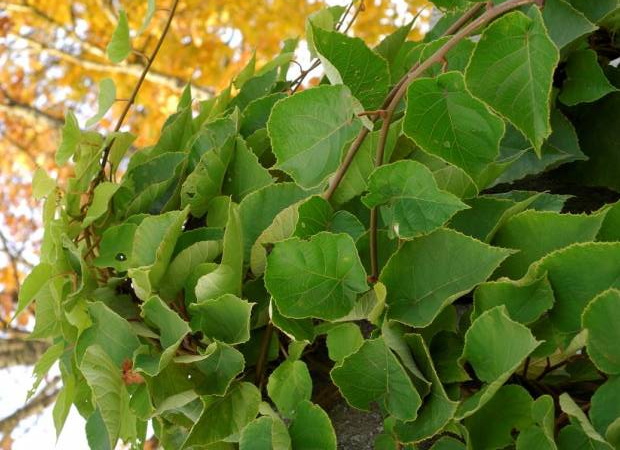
(289, 385)
(311, 429)
(512, 70)
(495, 345)
(328, 276)
(430, 272)
(244, 174)
(205, 182)
(110, 394)
(347, 60)
(172, 330)
(605, 402)
(600, 318)
(579, 418)
(309, 131)
(227, 277)
(219, 365)
(70, 138)
(444, 119)
(110, 332)
(575, 283)
(154, 242)
(32, 285)
(99, 206)
(525, 300)
(265, 433)
(585, 80)
(343, 340)
(508, 410)
(225, 416)
(537, 233)
(595, 10)
(258, 210)
(412, 204)
(226, 318)
(374, 374)
(565, 23)
(437, 409)
(487, 214)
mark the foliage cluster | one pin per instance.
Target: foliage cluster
(359, 238)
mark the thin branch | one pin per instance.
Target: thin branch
(35, 406)
(15, 107)
(134, 70)
(12, 259)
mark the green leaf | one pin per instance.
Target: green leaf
(244, 174)
(430, 272)
(257, 112)
(537, 233)
(515, 78)
(564, 23)
(150, 12)
(110, 332)
(343, 340)
(225, 416)
(71, 135)
(32, 285)
(101, 199)
(610, 229)
(374, 374)
(573, 437)
(226, 318)
(600, 318)
(184, 262)
(44, 364)
(265, 433)
(311, 429)
(579, 418)
(258, 210)
(448, 443)
(205, 182)
(495, 345)
(605, 405)
(154, 242)
(574, 282)
(309, 131)
(411, 202)
(227, 277)
(355, 179)
(561, 147)
(172, 330)
(389, 46)
(116, 246)
(525, 300)
(219, 365)
(437, 409)
(289, 385)
(585, 80)
(595, 10)
(42, 184)
(110, 394)
(105, 100)
(328, 274)
(326, 19)
(347, 60)
(119, 47)
(297, 329)
(509, 409)
(444, 119)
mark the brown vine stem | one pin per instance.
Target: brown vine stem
(355, 146)
(439, 56)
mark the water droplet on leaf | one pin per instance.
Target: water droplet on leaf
(121, 257)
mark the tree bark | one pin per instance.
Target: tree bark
(17, 352)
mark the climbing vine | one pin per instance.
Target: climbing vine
(404, 234)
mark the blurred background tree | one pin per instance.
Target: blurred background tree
(53, 54)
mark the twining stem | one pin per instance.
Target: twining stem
(414, 73)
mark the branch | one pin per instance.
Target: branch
(15, 107)
(134, 70)
(20, 352)
(12, 259)
(41, 401)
